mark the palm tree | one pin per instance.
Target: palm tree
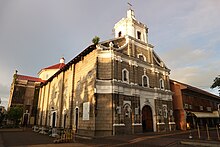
(216, 83)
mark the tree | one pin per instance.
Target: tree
(14, 114)
(2, 116)
(95, 40)
(216, 83)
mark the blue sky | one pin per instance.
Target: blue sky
(36, 33)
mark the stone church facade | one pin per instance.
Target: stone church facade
(119, 86)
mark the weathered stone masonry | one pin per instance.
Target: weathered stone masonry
(119, 86)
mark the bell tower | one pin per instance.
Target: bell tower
(131, 27)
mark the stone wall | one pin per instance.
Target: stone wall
(126, 121)
(104, 115)
(84, 94)
(135, 71)
(104, 70)
(164, 115)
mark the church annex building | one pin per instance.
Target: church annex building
(119, 86)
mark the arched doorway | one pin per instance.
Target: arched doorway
(64, 120)
(77, 118)
(147, 119)
(54, 119)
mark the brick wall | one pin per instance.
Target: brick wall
(104, 71)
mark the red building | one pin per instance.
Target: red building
(194, 106)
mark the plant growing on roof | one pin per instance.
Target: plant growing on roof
(15, 76)
(95, 40)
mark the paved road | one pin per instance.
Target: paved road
(28, 138)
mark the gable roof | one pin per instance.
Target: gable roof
(89, 49)
(29, 78)
(73, 61)
(55, 66)
(195, 89)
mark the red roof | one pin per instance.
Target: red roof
(29, 78)
(56, 66)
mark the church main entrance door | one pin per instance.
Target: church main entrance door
(147, 119)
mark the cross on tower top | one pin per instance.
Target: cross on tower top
(129, 5)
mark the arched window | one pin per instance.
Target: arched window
(161, 84)
(145, 81)
(125, 75)
(142, 57)
(119, 34)
(53, 118)
(139, 35)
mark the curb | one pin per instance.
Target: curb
(200, 144)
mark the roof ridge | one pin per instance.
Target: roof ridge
(196, 88)
(30, 78)
(55, 66)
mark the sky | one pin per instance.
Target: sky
(36, 33)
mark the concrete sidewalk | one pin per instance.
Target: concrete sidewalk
(55, 145)
(1, 141)
(201, 143)
(27, 138)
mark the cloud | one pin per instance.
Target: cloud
(190, 65)
(35, 35)
(179, 23)
(196, 76)
(199, 75)
(4, 91)
(202, 19)
(4, 95)
(185, 56)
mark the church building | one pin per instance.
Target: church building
(119, 86)
(24, 91)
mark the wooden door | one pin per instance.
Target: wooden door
(147, 119)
